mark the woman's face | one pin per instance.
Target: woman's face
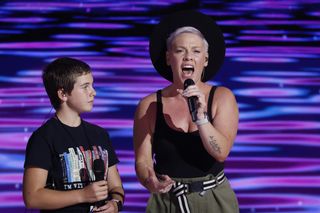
(187, 57)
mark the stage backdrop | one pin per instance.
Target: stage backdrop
(272, 65)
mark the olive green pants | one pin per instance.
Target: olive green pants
(220, 199)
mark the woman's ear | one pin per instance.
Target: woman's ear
(167, 58)
(206, 60)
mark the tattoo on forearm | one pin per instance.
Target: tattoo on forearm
(214, 144)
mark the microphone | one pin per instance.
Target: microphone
(98, 170)
(84, 175)
(192, 101)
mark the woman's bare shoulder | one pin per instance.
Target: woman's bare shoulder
(146, 106)
(147, 100)
(223, 92)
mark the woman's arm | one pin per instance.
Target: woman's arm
(144, 123)
(142, 136)
(218, 138)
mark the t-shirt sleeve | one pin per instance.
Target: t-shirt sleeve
(38, 152)
(112, 157)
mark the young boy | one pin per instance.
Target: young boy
(70, 164)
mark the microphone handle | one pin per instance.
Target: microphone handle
(192, 101)
(100, 203)
(194, 116)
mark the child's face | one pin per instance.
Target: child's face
(82, 96)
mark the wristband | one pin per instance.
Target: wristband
(119, 204)
(203, 120)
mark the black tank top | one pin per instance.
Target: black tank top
(179, 154)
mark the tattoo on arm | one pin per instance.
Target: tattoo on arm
(214, 144)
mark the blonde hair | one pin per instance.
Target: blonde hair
(186, 29)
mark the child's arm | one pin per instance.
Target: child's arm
(36, 196)
(115, 185)
(116, 191)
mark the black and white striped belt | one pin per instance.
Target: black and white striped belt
(180, 190)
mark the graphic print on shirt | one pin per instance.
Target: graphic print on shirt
(77, 166)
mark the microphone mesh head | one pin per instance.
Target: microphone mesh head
(98, 169)
(187, 83)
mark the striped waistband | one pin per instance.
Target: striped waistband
(180, 189)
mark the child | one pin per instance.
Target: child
(70, 164)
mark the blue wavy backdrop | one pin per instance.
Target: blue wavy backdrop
(272, 65)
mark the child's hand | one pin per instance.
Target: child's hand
(95, 191)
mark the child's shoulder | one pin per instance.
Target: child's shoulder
(46, 130)
(93, 127)
(47, 125)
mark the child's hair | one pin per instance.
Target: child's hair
(61, 74)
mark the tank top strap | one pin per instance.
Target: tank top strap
(211, 94)
(159, 117)
(159, 102)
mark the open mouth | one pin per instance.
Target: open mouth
(188, 69)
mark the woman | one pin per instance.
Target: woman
(180, 159)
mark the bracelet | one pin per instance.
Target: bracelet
(204, 120)
(119, 204)
(201, 122)
(117, 193)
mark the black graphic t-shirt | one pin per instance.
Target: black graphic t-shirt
(70, 155)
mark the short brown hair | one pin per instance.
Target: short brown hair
(62, 74)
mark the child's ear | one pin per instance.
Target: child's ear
(62, 95)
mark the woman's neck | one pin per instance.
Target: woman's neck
(170, 91)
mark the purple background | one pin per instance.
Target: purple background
(272, 65)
